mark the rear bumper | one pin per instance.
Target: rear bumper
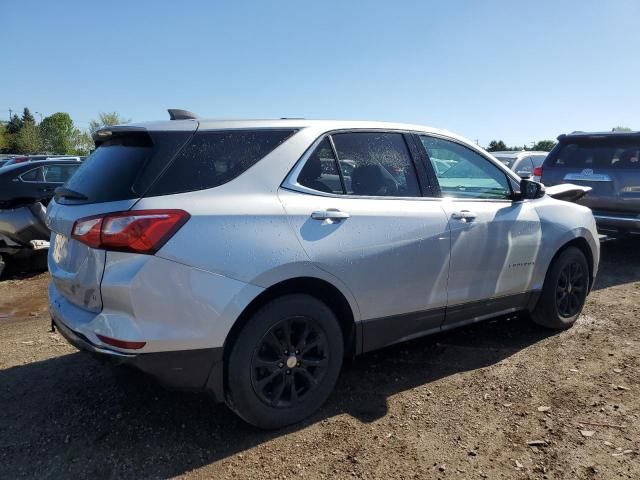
(611, 223)
(196, 370)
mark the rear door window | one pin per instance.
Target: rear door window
(320, 171)
(213, 158)
(376, 164)
(34, 175)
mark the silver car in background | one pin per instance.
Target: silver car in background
(249, 258)
(526, 164)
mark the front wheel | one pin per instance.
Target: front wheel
(564, 291)
(285, 362)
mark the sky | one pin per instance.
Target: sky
(519, 71)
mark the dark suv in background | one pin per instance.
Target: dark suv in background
(609, 163)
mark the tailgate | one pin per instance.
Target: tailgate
(76, 269)
(611, 190)
(112, 179)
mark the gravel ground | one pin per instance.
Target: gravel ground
(501, 399)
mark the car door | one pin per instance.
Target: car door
(373, 230)
(494, 240)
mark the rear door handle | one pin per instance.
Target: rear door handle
(329, 214)
(465, 216)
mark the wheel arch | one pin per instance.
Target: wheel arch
(313, 286)
(581, 244)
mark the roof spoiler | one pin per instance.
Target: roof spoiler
(177, 114)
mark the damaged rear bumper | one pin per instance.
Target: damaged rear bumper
(196, 370)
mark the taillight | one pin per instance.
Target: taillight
(137, 231)
(537, 171)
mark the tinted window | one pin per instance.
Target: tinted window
(598, 153)
(376, 164)
(108, 173)
(34, 175)
(463, 173)
(59, 173)
(124, 166)
(320, 171)
(214, 158)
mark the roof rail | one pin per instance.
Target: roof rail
(177, 114)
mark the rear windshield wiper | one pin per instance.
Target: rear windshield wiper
(65, 192)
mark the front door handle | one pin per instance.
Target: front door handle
(329, 214)
(465, 216)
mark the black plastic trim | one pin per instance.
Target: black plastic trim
(483, 309)
(182, 369)
(381, 332)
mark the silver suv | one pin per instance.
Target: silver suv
(249, 258)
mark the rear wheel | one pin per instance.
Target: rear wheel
(285, 362)
(564, 291)
(2, 265)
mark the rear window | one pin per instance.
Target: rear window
(597, 153)
(507, 161)
(214, 158)
(124, 166)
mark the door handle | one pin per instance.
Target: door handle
(465, 216)
(329, 214)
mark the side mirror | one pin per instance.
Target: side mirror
(530, 190)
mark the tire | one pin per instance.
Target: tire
(564, 291)
(2, 265)
(268, 385)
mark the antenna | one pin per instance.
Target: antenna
(177, 114)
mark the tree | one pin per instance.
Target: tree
(58, 133)
(83, 143)
(544, 145)
(106, 119)
(28, 140)
(12, 129)
(496, 146)
(621, 129)
(27, 117)
(14, 125)
(4, 143)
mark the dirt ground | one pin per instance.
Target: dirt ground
(501, 399)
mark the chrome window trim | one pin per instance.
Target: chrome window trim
(29, 171)
(290, 182)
